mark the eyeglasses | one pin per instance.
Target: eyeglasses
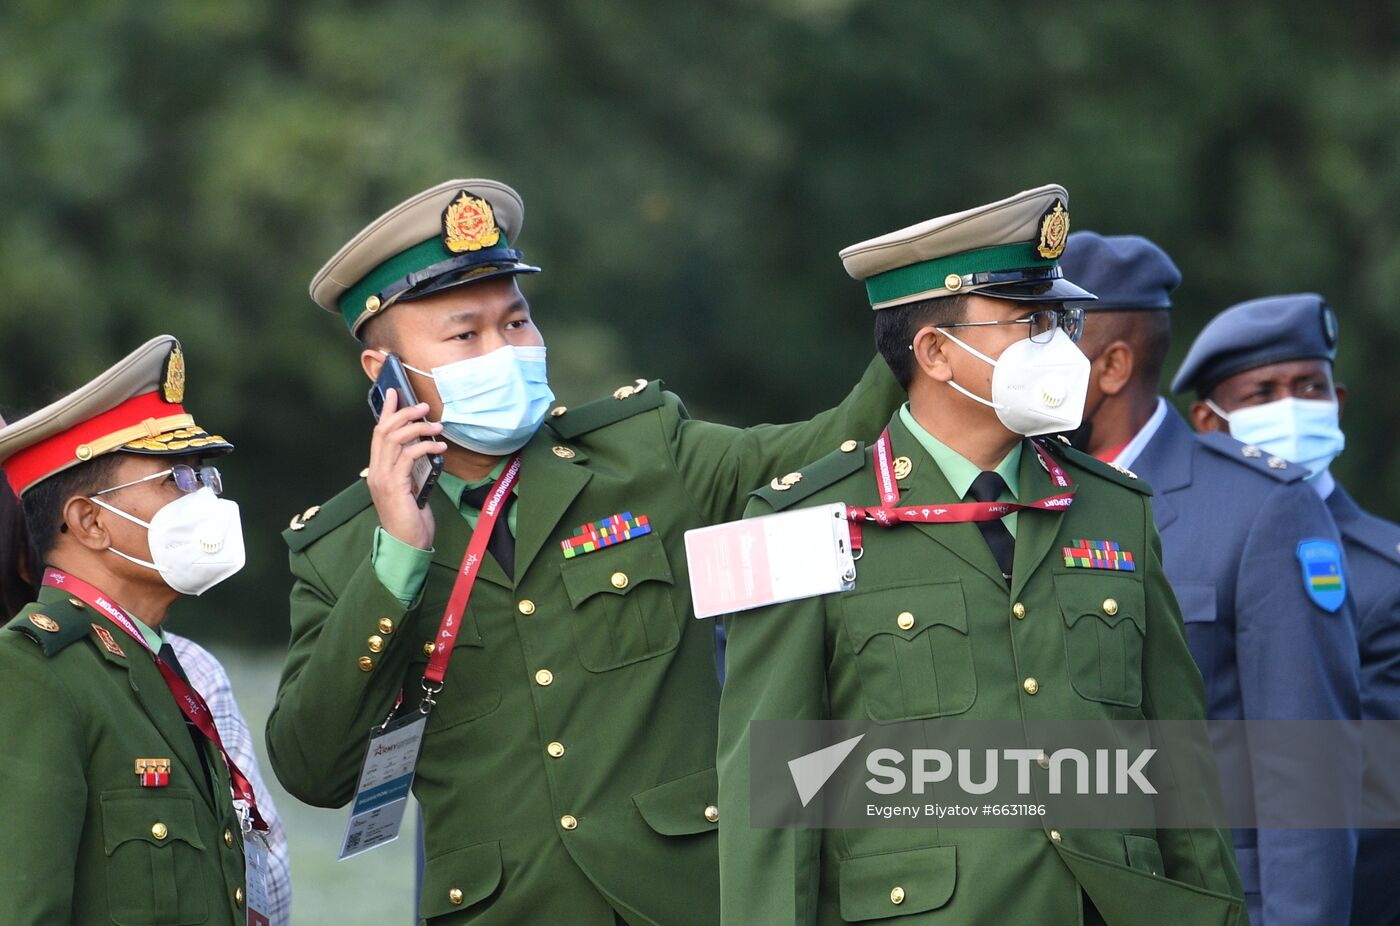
(1042, 324)
(187, 479)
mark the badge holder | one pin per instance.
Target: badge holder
(762, 561)
(386, 779)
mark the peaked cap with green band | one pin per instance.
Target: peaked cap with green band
(454, 233)
(1007, 249)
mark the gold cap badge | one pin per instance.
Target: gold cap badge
(1054, 231)
(469, 224)
(172, 384)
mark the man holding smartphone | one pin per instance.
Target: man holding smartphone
(537, 608)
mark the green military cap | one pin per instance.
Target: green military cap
(134, 407)
(1007, 249)
(454, 233)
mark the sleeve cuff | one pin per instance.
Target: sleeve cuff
(401, 568)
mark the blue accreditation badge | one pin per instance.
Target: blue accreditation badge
(1323, 578)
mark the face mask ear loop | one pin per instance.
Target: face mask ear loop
(967, 347)
(119, 513)
(134, 520)
(1210, 404)
(980, 356)
(409, 366)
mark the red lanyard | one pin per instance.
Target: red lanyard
(466, 578)
(189, 701)
(888, 513)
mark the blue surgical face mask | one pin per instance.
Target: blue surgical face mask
(494, 403)
(1302, 431)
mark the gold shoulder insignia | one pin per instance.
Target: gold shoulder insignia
(44, 622)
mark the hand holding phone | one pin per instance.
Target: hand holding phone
(392, 376)
(402, 437)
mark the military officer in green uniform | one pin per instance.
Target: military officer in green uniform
(567, 772)
(118, 804)
(1052, 611)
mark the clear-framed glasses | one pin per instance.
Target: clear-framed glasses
(187, 479)
(1042, 324)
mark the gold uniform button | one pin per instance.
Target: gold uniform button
(160, 831)
(558, 411)
(619, 580)
(366, 663)
(1043, 760)
(526, 606)
(544, 677)
(228, 838)
(905, 620)
(76, 603)
(428, 648)
(848, 446)
(1018, 611)
(712, 813)
(238, 896)
(455, 895)
(373, 303)
(386, 625)
(1054, 835)
(555, 749)
(897, 895)
(1031, 686)
(1110, 606)
(569, 821)
(375, 643)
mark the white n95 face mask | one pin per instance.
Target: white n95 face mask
(1302, 431)
(196, 540)
(494, 403)
(1036, 388)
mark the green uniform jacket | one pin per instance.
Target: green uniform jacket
(968, 655)
(569, 764)
(83, 842)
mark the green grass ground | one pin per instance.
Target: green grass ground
(369, 890)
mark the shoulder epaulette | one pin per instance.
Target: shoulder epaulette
(310, 525)
(1376, 534)
(786, 491)
(54, 625)
(1252, 457)
(1092, 464)
(626, 401)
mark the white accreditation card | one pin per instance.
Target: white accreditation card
(761, 561)
(255, 853)
(385, 781)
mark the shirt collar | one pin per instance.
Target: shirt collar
(455, 486)
(1129, 454)
(958, 469)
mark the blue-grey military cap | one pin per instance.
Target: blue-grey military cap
(1124, 271)
(1256, 333)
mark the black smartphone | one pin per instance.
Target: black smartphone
(392, 375)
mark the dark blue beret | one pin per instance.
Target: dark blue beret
(1256, 333)
(1124, 271)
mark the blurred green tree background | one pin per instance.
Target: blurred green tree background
(690, 171)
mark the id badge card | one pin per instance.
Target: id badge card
(381, 797)
(761, 561)
(256, 855)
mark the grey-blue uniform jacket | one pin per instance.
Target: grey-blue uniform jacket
(1372, 547)
(1231, 525)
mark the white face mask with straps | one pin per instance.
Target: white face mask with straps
(196, 540)
(1036, 388)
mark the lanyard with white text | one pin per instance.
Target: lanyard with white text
(190, 702)
(466, 578)
(889, 513)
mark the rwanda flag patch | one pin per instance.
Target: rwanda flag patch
(1323, 578)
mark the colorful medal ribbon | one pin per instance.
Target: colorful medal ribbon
(190, 702)
(889, 513)
(466, 578)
